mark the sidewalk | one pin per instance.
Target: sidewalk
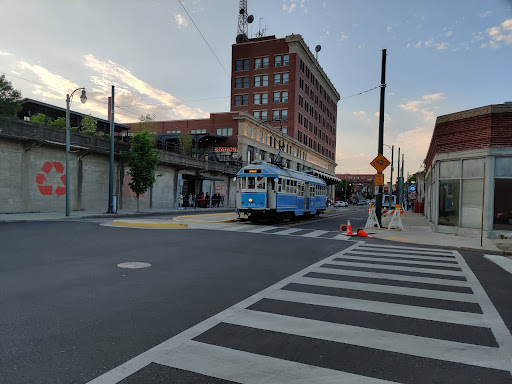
(34, 216)
(418, 231)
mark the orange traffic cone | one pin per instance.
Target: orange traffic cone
(349, 229)
(362, 233)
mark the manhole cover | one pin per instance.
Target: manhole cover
(134, 265)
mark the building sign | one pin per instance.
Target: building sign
(225, 149)
(379, 179)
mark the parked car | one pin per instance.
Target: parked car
(361, 202)
(340, 204)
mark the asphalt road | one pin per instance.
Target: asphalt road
(68, 314)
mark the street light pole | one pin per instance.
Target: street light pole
(378, 207)
(83, 99)
(111, 208)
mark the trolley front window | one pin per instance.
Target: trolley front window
(260, 182)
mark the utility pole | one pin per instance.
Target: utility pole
(111, 208)
(391, 178)
(403, 184)
(397, 179)
(381, 131)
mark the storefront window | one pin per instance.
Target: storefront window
(472, 191)
(449, 194)
(502, 204)
(449, 170)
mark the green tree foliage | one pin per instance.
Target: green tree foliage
(89, 124)
(60, 122)
(346, 186)
(10, 98)
(40, 118)
(142, 160)
(186, 143)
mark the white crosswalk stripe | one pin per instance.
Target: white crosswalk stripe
(423, 320)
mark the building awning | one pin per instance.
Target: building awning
(187, 176)
(330, 180)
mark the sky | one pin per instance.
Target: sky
(442, 57)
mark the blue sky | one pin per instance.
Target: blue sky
(443, 57)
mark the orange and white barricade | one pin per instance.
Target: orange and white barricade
(396, 221)
(372, 218)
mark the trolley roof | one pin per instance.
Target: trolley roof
(268, 170)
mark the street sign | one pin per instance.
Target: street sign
(380, 163)
(379, 179)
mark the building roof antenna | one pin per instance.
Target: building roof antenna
(242, 34)
(262, 30)
(317, 49)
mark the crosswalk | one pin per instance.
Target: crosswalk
(272, 230)
(370, 314)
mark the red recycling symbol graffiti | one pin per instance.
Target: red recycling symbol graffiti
(41, 179)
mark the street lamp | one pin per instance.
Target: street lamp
(83, 99)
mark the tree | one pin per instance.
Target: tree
(60, 122)
(40, 118)
(147, 123)
(186, 143)
(89, 124)
(142, 160)
(10, 98)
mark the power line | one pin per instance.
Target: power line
(133, 113)
(360, 93)
(35, 82)
(204, 39)
(181, 101)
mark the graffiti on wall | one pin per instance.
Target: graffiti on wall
(53, 179)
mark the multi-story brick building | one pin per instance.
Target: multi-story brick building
(363, 185)
(279, 79)
(469, 171)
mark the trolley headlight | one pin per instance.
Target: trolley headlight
(250, 199)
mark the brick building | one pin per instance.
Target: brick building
(363, 185)
(469, 171)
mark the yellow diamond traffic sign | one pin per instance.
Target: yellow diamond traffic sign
(380, 163)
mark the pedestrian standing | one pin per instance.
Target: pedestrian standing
(222, 201)
(190, 200)
(180, 201)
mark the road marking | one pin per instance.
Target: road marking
(455, 317)
(287, 231)
(407, 256)
(389, 259)
(404, 291)
(457, 352)
(146, 224)
(249, 368)
(262, 229)
(390, 276)
(493, 318)
(314, 233)
(397, 268)
(502, 261)
(130, 367)
(412, 249)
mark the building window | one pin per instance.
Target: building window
(257, 98)
(264, 98)
(277, 78)
(242, 65)
(277, 97)
(257, 114)
(241, 82)
(277, 61)
(285, 78)
(284, 114)
(225, 131)
(257, 63)
(241, 99)
(238, 82)
(449, 193)
(245, 82)
(286, 60)
(275, 114)
(261, 81)
(197, 131)
(174, 131)
(284, 96)
(261, 62)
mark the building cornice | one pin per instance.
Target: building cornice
(487, 110)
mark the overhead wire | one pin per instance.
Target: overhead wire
(35, 82)
(182, 101)
(360, 93)
(209, 46)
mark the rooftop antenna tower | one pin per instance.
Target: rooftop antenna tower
(262, 30)
(242, 34)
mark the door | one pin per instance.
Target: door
(306, 195)
(271, 192)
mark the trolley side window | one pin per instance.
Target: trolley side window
(260, 182)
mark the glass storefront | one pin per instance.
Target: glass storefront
(449, 193)
(503, 194)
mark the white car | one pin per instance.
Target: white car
(340, 204)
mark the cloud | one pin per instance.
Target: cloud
(441, 46)
(485, 14)
(360, 113)
(429, 43)
(499, 34)
(343, 36)
(291, 5)
(448, 33)
(3, 53)
(389, 28)
(180, 20)
(110, 72)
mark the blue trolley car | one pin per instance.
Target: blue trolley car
(265, 191)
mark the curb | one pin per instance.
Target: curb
(138, 224)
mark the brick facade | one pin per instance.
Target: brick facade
(479, 128)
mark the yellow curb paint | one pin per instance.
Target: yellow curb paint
(210, 214)
(396, 239)
(147, 225)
